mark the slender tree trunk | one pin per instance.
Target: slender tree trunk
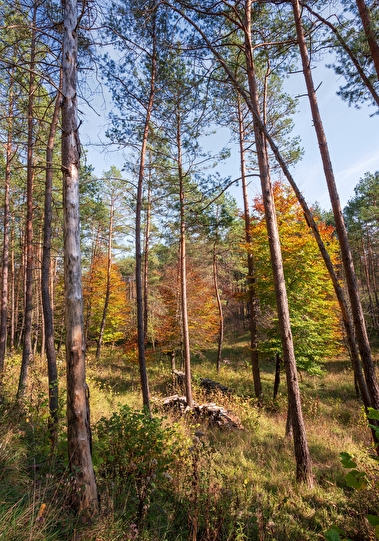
(370, 33)
(252, 297)
(36, 323)
(146, 264)
(27, 344)
(78, 416)
(88, 312)
(139, 285)
(303, 460)
(108, 285)
(20, 291)
(13, 285)
(47, 304)
(5, 262)
(278, 362)
(357, 312)
(183, 269)
(220, 311)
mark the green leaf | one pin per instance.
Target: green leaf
(356, 479)
(373, 414)
(333, 534)
(373, 520)
(347, 460)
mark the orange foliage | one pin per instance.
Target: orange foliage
(202, 309)
(117, 325)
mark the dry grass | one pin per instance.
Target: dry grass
(246, 487)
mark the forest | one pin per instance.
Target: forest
(178, 363)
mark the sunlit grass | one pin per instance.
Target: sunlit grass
(246, 487)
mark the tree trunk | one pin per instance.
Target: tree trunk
(48, 318)
(5, 262)
(220, 311)
(357, 312)
(108, 285)
(13, 286)
(303, 460)
(146, 264)
(27, 344)
(278, 362)
(139, 285)
(252, 297)
(78, 417)
(183, 269)
(370, 33)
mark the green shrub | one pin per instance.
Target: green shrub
(135, 450)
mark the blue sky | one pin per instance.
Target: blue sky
(353, 138)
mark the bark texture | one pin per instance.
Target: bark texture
(78, 419)
(48, 318)
(302, 456)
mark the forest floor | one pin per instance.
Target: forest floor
(172, 477)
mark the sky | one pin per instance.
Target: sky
(352, 134)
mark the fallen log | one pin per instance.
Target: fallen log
(209, 413)
(211, 385)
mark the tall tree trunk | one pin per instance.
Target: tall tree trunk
(220, 311)
(303, 460)
(139, 285)
(78, 416)
(27, 344)
(5, 262)
(48, 318)
(370, 33)
(146, 264)
(252, 297)
(357, 312)
(13, 294)
(108, 285)
(183, 268)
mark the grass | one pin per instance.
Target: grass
(173, 485)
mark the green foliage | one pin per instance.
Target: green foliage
(135, 449)
(314, 312)
(358, 481)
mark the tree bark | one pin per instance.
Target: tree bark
(27, 352)
(183, 268)
(48, 318)
(78, 417)
(252, 297)
(357, 312)
(108, 285)
(302, 456)
(220, 311)
(139, 278)
(370, 34)
(5, 262)
(146, 265)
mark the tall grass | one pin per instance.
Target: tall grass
(183, 480)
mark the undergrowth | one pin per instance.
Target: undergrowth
(169, 478)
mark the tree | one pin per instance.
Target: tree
(315, 319)
(78, 418)
(117, 323)
(362, 221)
(356, 307)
